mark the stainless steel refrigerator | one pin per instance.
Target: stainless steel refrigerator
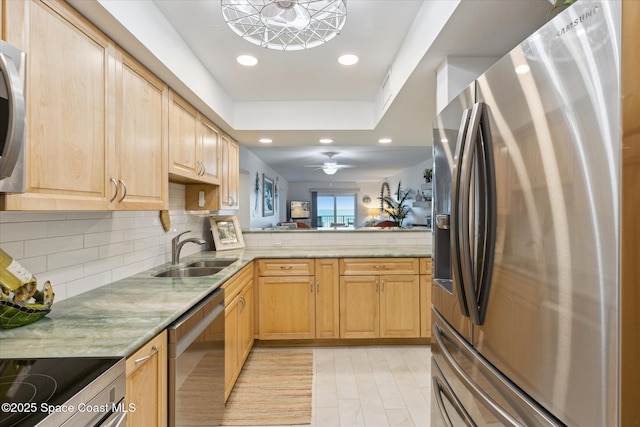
(527, 240)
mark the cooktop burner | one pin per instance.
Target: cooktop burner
(30, 388)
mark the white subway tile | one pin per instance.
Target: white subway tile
(103, 238)
(35, 265)
(104, 264)
(70, 258)
(69, 228)
(52, 245)
(15, 249)
(16, 231)
(88, 283)
(63, 275)
(72, 215)
(6, 217)
(59, 292)
(122, 248)
(128, 270)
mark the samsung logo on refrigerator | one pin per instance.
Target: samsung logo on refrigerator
(579, 20)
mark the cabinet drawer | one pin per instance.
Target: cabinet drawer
(286, 267)
(425, 265)
(234, 285)
(359, 266)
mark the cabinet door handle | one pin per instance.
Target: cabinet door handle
(379, 267)
(311, 286)
(243, 302)
(115, 184)
(154, 350)
(382, 285)
(124, 190)
(286, 267)
(377, 286)
(318, 286)
(204, 169)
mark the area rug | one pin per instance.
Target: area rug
(274, 388)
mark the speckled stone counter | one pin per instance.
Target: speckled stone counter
(116, 319)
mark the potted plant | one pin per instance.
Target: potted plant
(396, 208)
(428, 175)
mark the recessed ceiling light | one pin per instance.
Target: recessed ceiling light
(326, 141)
(348, 59)
(522, 69)
(444, 140)
(384, 140)
(247, 60)
(266, 140)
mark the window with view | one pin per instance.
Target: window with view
(336, 210)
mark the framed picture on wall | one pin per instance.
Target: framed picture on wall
(226, 232)
(268, 199)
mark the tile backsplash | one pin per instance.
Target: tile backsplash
(80, 251)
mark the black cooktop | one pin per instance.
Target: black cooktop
(29, 388)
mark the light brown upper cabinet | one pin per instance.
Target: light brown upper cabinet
(194, 145)
(96, 119)
(230, 173)
(141, 144)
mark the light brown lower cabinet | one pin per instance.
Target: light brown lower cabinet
(298, 298)
(147, 383)
(379, 298)
(425, 297)
(380, 306)
(238, 317)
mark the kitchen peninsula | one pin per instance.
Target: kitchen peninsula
(338, 237)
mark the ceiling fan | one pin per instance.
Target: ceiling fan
(330, 166)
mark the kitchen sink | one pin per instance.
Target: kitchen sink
(213, 263)
(190, 272)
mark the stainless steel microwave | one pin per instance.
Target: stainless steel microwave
(12, 118)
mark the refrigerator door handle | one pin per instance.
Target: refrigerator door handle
(489, 218)
(440, 389)
(477, 264)
(456, 267)
(463, 223)
(488, 402)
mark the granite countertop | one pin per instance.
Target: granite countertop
(118, 318)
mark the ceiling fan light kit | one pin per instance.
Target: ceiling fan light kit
(329, 167)
(285, 24)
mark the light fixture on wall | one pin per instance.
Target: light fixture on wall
(285, 24)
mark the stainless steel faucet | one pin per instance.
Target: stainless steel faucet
(176, 246)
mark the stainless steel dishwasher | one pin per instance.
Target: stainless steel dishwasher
(196, 364)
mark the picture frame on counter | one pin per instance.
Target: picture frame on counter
(226, 232)
(268, 197)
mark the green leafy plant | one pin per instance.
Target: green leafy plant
(428, 174)
(558, 6)
(396, 208)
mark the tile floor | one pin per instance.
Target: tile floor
(371, 386)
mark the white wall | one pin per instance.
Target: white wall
(455, 73)
(80, 251)
(252, 165)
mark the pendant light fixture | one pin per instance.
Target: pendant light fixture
(285, 24)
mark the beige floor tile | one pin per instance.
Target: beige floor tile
(371, 386)
(350, 413)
